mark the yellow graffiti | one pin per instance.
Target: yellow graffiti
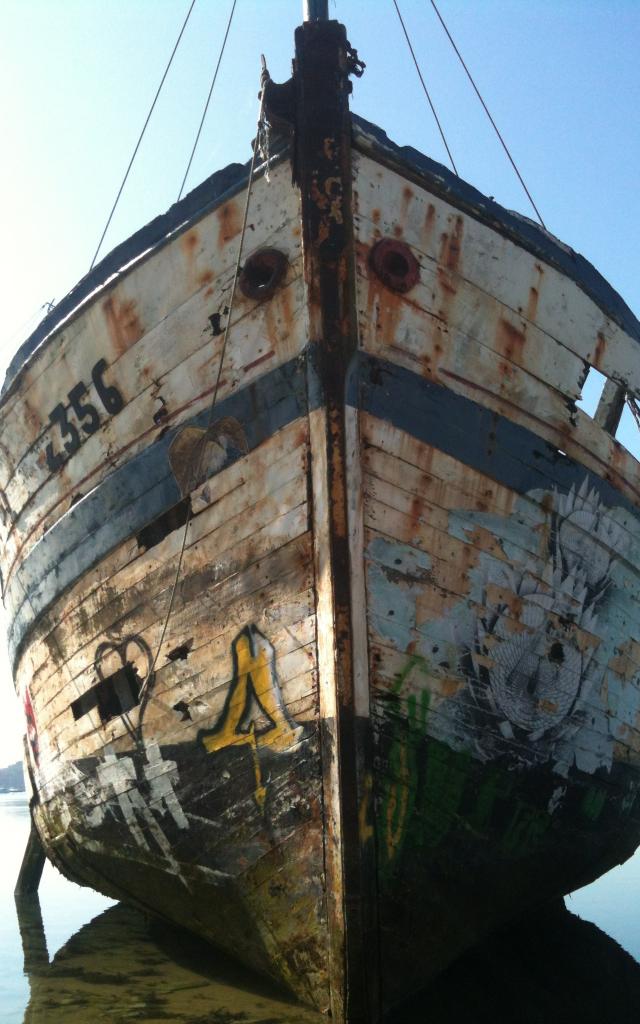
(255, 681)
(397, 809)
(364, 824)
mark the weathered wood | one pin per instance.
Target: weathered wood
(32, 866)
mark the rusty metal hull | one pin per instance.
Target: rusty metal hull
(394, 700)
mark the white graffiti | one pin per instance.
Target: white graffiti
(139, 800)
(540, 653)
(536, 676)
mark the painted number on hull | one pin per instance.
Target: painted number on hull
(84, 412)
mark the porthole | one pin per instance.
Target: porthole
(262, 273)
(395, 264)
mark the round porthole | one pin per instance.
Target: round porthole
(262, 273)
(395, 264)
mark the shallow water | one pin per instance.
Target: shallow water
(90, 960)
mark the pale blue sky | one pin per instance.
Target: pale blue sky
(77, 76)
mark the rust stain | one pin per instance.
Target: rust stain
(415, 511)
(500, 596)
(532, 304)
(483, 539)
(229, 222)
(206, 277)
(122, 323)
(375, 216)
(279, 320)
(256, 362)
(626, 660)
(534, 293)
(601, 346)
(189, 243)
(384, 307)
(429, 221)
(451, 246)
(407, 196)
(449, 260)
(510, 340)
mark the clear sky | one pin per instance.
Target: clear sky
(560, 77)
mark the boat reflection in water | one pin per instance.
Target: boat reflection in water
(119, 967)
(552, 967)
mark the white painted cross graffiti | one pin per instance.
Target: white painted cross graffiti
(119, 777)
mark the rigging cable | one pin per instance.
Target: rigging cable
(426, 91)
(145, 687)
(206, 106)
(144, 128)
(486, 110)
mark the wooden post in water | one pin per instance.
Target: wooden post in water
(32, 865)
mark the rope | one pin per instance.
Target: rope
(426, 91)
(486, 110)
(206, 106)
(144, 128)
(144, 689)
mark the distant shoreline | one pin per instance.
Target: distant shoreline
(12, 779)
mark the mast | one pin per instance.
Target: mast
(315, 10)
(315, 103)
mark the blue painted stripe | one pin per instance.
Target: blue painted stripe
(144, 488)
(480, 438)
(134, 495)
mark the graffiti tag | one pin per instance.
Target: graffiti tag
(255, 686)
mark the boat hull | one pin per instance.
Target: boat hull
(331, 656)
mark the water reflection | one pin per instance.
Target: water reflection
(551, 968)
(120, 968)
(32, 935)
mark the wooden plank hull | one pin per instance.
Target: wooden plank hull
(346, 673)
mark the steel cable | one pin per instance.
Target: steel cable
(206, 106)
(144, 128)
(145, 688)
(486, 110)
(426, 91)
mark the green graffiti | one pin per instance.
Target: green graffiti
(399, 796)
(443, 788)
(528, 824)
(430, 788)
(592, 802)
(497, 785)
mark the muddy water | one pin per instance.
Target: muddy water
(74, 957)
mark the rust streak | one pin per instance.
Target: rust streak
(122, 323)
(601, 346)
(260, 359)
(229, 222)
(510, 340)
(189, 243)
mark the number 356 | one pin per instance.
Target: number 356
(85, 413)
